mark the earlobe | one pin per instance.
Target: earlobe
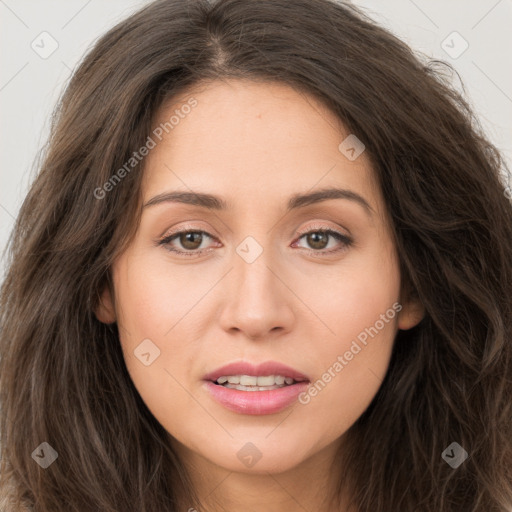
(105, 311)
(411, 314)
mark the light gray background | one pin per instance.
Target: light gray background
(30, 85)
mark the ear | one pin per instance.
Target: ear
(105, 311)
(411, 314)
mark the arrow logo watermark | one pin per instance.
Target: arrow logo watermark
(146, 352)
(249, 455)
(44, 455)
(351, 147)
(454, 455)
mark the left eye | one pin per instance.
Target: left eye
(189, 240)
(318, 239)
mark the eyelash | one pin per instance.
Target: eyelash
(346, 241)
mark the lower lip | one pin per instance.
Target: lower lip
(256, 402)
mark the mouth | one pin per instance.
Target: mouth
(256, 383)
(244, 388)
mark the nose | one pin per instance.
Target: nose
(258, 299)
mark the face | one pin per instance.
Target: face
(305, 289)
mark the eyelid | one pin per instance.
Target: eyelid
(321, 226)
(185, 227)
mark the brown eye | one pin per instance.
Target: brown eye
(317, 239)
(191, 240)
(186, 243)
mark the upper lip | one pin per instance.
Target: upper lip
(258, 370)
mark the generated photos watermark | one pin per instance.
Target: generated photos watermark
(355, 348)
(151, 143)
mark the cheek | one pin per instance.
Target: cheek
(153, 310)
(352, 298)
(360, 307)
(153, 301)
(351, 370)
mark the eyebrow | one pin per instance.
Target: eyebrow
(298, 200)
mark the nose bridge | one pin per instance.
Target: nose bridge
(255, 281)
(252, 268)
(258, 301)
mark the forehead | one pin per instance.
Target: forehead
(242, 139)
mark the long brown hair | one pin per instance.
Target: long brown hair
(63, 380)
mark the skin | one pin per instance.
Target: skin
(254, 145)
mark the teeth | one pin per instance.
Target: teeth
(245, 380)
(251, 388)
(265, 382)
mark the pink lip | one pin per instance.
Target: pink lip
(256, 402)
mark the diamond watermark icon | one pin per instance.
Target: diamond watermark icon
(249, 249)
(146, 352)
(351, 147)
(454, 45)
(44, 45)
(454, 455)
(249, 455)
(44, 455)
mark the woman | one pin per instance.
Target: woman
(265, 266)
